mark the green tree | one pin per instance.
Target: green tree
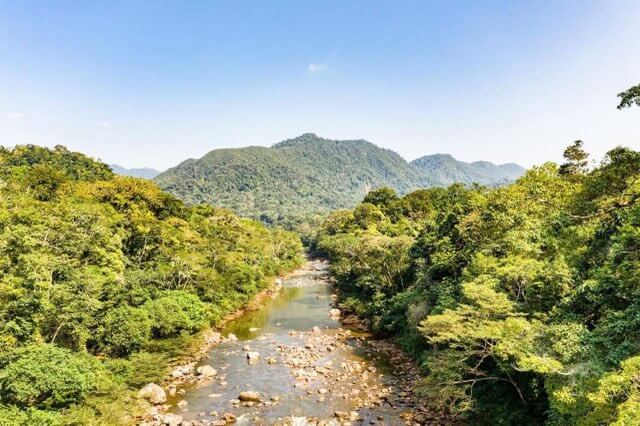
(124, 330)
(629, 97)
(576, 160)
(175, 312)
(44, 376)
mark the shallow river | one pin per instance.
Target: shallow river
(281, 331)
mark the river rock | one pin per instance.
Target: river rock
(232, 337)
(249, 396)
(253, 357)
(214, 338)
(335, 313)
(206, 371)
(153, 393)
(171, 419)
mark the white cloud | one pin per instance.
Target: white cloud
(14, 115)
(314, 68)
(106, 124)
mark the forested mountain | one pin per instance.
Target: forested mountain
(521, 302)
(144, 172)
(445, 170)
(104, 278)
(307, 175)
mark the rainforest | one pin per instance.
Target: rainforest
(320, 213)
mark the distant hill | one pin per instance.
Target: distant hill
(445, 170)
(297, 178)
(144, 172)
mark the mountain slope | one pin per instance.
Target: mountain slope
(144, 172)
(297, 178)
(446, 170)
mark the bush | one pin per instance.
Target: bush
(12, 416)
(46, 377)
(176, 312)
(124, 330)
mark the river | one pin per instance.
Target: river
(308, 369)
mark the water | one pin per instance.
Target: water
(285, 322)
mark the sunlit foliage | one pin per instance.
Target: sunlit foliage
(521, 302)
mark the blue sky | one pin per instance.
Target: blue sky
(153, 83)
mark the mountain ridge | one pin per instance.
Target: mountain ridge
(141, 172)
(309, 175)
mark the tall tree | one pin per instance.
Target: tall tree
(576, 159)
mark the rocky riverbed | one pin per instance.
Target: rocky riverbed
(294, 361)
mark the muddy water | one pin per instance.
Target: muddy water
(280, 332)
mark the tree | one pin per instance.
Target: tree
(175, 312)
(45, 376)
(577, 160)
(125, 330)
(629, 97)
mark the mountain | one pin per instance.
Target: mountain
(446, 170)
(144, 172)
(307, 175)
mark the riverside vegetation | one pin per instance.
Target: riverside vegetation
(522, 303)
(105, 279)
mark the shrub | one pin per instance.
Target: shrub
(176, 312)
(45, 376)
(12, 416)
(124, 330)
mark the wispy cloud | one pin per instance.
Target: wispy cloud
(106, 124)
(14, 115)
(315, 68)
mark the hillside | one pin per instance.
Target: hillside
(144, 172)
(307, 175)
(445, 170)
(105, 280)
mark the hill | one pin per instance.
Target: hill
(305, 176)
(144, 172)
(445, 170)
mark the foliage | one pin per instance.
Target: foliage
(125, 329)
(44, 376)
(93, 263)
(520, 301)
(176, 312)
(299, 180)
(629, 97)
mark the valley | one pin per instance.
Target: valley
(291, 361)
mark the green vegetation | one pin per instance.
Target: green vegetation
(629, 97)
(521, 302)
(104, 280)
(298, 180)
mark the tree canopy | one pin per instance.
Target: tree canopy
(520, 302)
(101, 274)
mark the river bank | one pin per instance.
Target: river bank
(292, 362)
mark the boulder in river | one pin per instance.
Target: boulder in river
(232, 337)
(335, 313)
(253, 357)
(249, 396)
(171, 419)
(206, 371)
(153, 393)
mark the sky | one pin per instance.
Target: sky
(153, 83)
